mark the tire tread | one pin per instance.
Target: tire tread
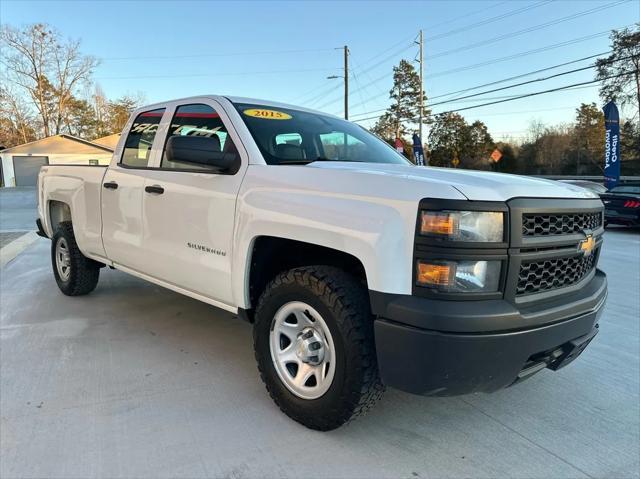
(85, 272)
(348, 300)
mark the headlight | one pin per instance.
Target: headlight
(472, 226)
(451, 276)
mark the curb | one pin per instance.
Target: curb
(17, 246)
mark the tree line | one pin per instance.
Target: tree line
(47, 89)
(576, 148)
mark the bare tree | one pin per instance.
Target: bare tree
(536, 130)
(48, 69)
(620, 71)
(71, 69)
(101, 108)
(15, 120)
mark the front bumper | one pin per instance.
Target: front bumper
(446, 348)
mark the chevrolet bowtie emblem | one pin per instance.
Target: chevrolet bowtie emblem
(587, 245)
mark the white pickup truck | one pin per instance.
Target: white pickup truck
(357, 269)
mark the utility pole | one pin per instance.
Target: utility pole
(346, 82)
(398, 115)
(422, 96)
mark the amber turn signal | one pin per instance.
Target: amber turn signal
(468, 226)
(434, 274)
(438, 223)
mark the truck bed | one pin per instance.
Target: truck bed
(80, 187)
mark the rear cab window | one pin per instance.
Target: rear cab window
(137, 147)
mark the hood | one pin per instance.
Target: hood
(475, 185)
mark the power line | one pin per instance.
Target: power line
(487, 21)
(467, 15)
(535, 80)
(466, 27)
(480, 86)
(514, 56)
(529, 29)
(575, 86)
(522, 112)
(319, 96)
(520, 76)
(536, 93)
(204, 55)
(490, 62)
(314, 91)
(359, 90)
(479, 99)
(180, 75)
(463, 101)
(496, 39)
(359, 67)
(368, 70)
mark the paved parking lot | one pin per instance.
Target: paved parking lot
(136, 381)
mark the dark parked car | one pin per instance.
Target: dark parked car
(622, 205)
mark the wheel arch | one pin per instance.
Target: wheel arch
(270, 255)
(58, 211)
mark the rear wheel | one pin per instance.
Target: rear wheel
(313, 340)
(75, 273)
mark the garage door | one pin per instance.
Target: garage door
(26, 169)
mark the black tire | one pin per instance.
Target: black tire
(344, 305)
(83, 272)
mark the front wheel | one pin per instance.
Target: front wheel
(75, 273)
(313, 340)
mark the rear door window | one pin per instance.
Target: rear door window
(137, 147)
(198, 120)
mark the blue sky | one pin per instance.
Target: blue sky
(285, 50)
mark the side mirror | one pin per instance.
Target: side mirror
(201, 151)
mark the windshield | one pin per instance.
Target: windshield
(287, 136)
(626, 189)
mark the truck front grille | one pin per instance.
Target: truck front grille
(540, 224)
(543, 275)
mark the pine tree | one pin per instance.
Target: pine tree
(405, 109)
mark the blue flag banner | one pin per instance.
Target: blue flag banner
(611, 145)
(418, 152)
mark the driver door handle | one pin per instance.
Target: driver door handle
(111, 185)
(157, 189)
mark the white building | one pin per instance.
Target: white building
(20, 165)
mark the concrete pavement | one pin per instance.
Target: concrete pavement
(137, 381)
(18, 213)
(18, 209)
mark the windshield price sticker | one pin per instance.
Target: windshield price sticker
(267, 114)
